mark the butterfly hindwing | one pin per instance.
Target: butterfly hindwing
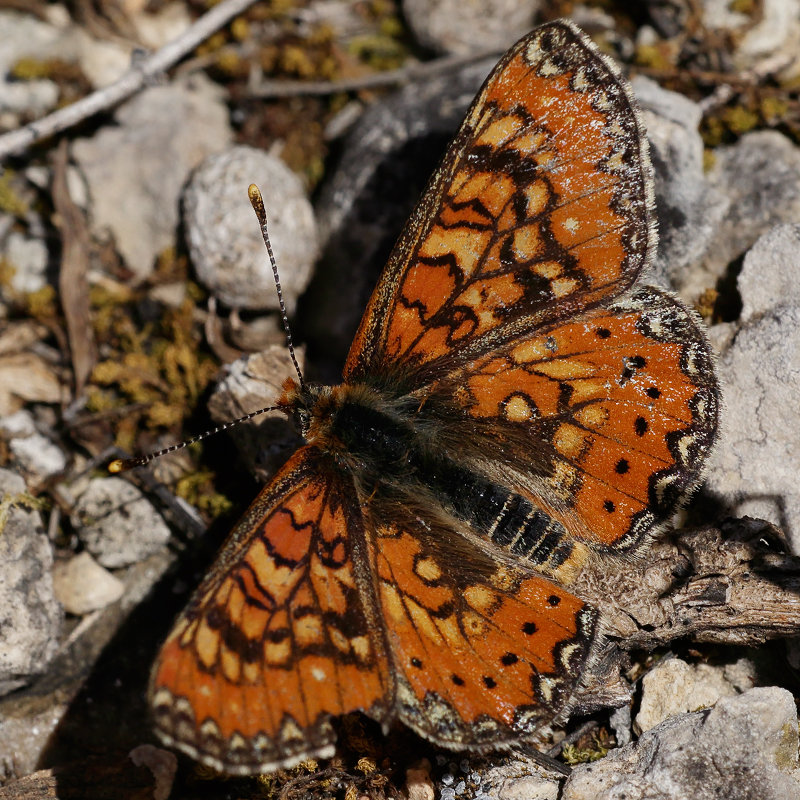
(482, 654)
(541, 207)
(626, 400)
(281, 635)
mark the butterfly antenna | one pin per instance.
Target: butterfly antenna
(124, 464)
(258, 206)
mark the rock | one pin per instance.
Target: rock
(770, 274)
(760, 178)
(33, 98)
(169, 22)
(135, 171)
(754, 469)
(24, 738)
(37, 455)
(452, 26)
(419, 785)
(745, 747)
(501, 778)
(620, 722)
(688, 209)
(741, 674)
(28, 256)
(103, 62)
(25, 36)
(768, 43)
(388, 158)
(171, 295)
(252, 383)
(225, 239)
(718, 15)
(673, 687)
(116, 524)
(30, 616)
(82, 585)
(256, 334)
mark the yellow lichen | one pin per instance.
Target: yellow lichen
(740, 119)
(22, 499)
(198, 489)
(31, 69)
(42, 303)
(10, 201)
(240, 29)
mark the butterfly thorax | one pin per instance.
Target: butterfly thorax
(349, 422)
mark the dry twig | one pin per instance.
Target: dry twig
(140, 74)
(394, 77)
(728, 585)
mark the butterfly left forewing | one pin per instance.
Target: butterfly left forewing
(278, 638)
(482, 654)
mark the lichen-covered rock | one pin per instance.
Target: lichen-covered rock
(136, 170)
(30, 616)
(117, 524)
(453, 26)
(687, 207)
(252, 383)
(745, 747)
(675, 687)
(755, 466)
(225, 239)
(82, 585)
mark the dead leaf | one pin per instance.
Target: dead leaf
(72, 282)
(27, 378)
(19, 336)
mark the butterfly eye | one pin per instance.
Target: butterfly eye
(301, 419)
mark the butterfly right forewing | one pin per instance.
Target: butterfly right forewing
(541, 207)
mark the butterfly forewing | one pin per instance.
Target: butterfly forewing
(541, 207)
(277, 640)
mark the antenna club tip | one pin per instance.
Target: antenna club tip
(116, 466)
(257, 202)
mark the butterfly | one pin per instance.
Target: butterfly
(515, 409)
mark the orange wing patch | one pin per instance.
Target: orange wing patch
(625, 397)
(478, 660)
(543, 200)
(276, 641)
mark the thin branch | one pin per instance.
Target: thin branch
(394, 77)
(137, 77)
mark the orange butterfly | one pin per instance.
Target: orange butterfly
(513, 407)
